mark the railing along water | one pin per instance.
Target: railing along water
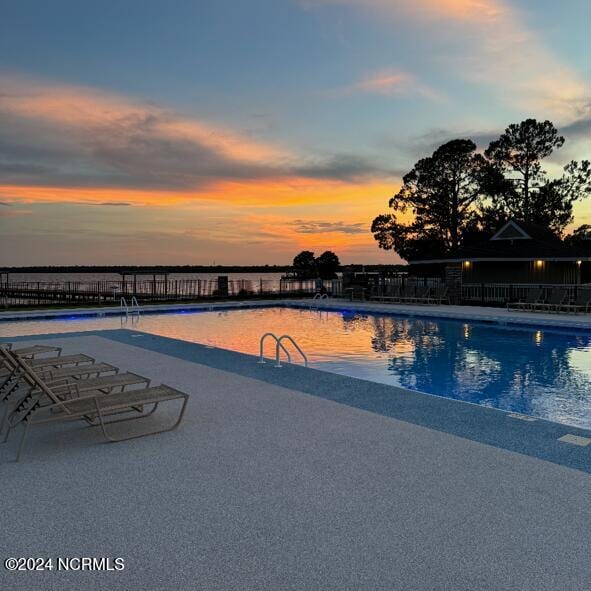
(35, 293)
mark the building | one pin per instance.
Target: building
(519, 252)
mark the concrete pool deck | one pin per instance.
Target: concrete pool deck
(271, 486)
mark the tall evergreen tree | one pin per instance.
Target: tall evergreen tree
(441, 194)
(518, 153)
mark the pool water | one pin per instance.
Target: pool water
(543, 373)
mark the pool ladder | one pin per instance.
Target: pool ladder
(132, 309)
(279, 346)
(318, 299)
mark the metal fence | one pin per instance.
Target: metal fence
(22, 294)
(475, 294)
(487, 294)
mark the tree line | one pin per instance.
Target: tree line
(458, 195)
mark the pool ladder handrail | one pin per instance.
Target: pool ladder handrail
(125, 307)
(318, 296)
(279, 346)
(135, 306)
(262, 345)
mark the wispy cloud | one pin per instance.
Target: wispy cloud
(390, 82)
(323, 227)
(493, 47)
(59, 135)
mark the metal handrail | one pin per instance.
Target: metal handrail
(123, 305)
(135, 305)
(280, 344)
(277, 344)
(318, 296)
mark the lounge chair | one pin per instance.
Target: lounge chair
(356, 292)
(10, 381)
(60, 361)
(86, 370)
(79, 378)
(422, 295)
(582, 303)
(407, 294)
(33, 350)
(92, 408)
(8, 368)
(391, 293)
(558, 296)
(533, 297)
(440, 296)
(68, 390)
(70, 381)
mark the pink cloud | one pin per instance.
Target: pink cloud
(391, 83)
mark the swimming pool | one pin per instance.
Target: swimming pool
(544, 373)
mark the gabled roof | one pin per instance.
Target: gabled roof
(511, 231)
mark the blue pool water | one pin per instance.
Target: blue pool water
(543, 373)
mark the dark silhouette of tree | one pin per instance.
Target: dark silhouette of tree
(305, 264)
(442, 193)
(327, 265)
(528, 194)
(518, 152)
(556, 197)
(579, 235)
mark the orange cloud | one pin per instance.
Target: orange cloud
(276, 193)
(464, 10)
(297, 191)
(84, 109)
(391, 83)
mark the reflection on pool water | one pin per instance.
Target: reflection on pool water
(543, 373)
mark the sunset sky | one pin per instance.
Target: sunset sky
(241, 132)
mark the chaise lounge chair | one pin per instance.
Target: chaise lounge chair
(533, 297)
(422, 296)
(390, 293)
(440, 296)
(582, 303)
(407, 294)
(33, 350)
(70, 384)
(558, 296)
(92, 408)
(60, 361)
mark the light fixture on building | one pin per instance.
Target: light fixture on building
(579, 262)
(467, 264)
(539, 264)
